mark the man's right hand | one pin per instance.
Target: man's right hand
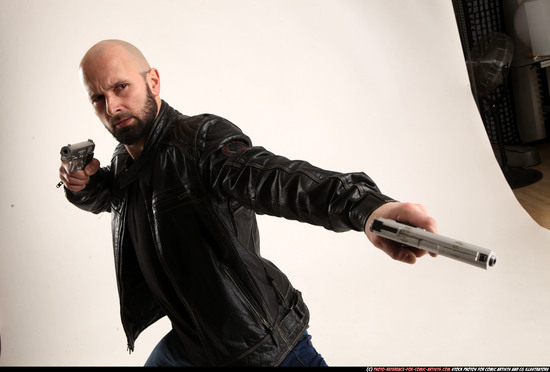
(77, 181)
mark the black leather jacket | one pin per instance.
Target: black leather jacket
(203, 183)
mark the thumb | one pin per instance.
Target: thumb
(92, 167)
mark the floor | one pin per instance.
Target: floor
(535, 198)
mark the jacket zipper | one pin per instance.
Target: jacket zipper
(169, 197)
(120, 232)
(255, 311)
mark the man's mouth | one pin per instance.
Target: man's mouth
(122, 123)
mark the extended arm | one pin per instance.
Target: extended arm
(271, 184)
(274, 185)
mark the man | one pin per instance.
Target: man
(183, 193)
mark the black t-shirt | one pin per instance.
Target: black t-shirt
(142, 239)
(151, 267)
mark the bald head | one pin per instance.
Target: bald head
(109, 52)
(112, 48)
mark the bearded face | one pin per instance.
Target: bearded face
(128, 128)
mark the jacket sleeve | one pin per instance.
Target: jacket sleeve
(274, 185)
(96, 197)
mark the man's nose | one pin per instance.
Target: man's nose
(112, 105)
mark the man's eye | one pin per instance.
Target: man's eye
(97, 99)
(122, 86)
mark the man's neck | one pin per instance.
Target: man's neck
(135, 149)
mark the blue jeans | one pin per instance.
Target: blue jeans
(168, 354)
(304, 355)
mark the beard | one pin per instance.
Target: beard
(143, 122)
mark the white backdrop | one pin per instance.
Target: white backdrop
(350, 85)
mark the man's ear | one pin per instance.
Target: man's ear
(153, 79)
